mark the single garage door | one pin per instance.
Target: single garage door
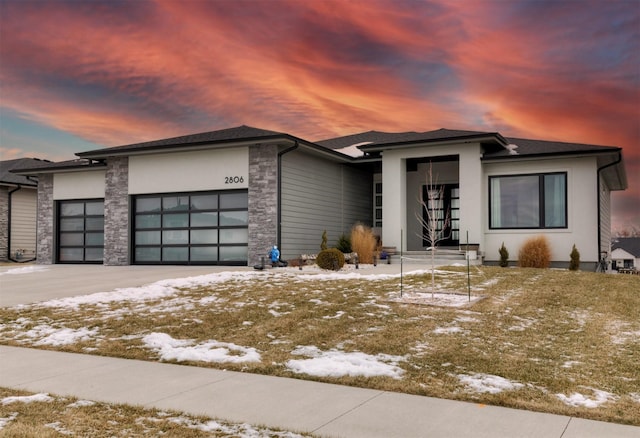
(80, 231)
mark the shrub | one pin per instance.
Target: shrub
(331, 259)
(535, 253)
(323, 244)
(363, 241)
(574, 264)
(344, 244)
(504, 256)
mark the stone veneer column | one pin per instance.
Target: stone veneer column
(116, 212)
(44, 220)
(263, 200)
(4, 224)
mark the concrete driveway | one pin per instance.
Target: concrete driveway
(30, 283)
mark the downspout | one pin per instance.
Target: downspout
(9, 203)
(279, 229)
(600, 169)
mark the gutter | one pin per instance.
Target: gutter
(600, 169)
(279, 195)
(9, 203)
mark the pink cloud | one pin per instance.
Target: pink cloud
(127, 72)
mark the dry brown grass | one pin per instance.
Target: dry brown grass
(555, 332)
(64, 416)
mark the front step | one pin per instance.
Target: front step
(442, 257)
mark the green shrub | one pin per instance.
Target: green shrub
(535, 253)
(323, 244)
(504, 256)
(574, 264)
(331, 259)
(344, 244)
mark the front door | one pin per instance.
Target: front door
(443, 203)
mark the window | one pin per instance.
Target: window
(81, 231)
(377, 207)
(191, 228)
(528, 201)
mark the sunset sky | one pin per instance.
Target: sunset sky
(80, 75)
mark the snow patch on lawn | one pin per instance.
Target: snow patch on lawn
(580, 400)
(447, 330)
(488, 383)
(336, 363)
(443, 299)
(40, 397)
(187, 350)
(6, 420)
(60, 336)
(81, 404)
(242, 430)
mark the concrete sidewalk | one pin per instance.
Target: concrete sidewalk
(291, 404)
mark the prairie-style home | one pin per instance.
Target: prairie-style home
(225, 197)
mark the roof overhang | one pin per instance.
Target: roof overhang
(276, 140)
(62, 168)
(490, 140)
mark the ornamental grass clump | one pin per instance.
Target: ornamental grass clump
(535, 253)
(363, 242)
(331, 259)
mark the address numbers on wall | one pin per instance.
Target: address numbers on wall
(233, 179)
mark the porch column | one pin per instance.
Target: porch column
(394, 200)
(471, 196)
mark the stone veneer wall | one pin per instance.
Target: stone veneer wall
(44, 220)
(116, 212)
(263, 201)
(4, 224)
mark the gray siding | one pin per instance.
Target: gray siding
(319, 195)
(23, 222)
(605, 219)
(4, 223)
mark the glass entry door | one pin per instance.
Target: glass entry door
(444, 204)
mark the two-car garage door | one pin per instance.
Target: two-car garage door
(191, 228)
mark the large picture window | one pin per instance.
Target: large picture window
(528, 201)
(81, 231)
(191, 228)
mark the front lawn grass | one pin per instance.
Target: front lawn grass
(554, 334)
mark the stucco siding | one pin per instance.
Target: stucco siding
(319, 195)
(23, 223)
(79, 185)
(582, 218)
(220, 169)
(401, 191)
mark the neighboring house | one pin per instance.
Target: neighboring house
(225, 197)
(625, 253)
(18, 195)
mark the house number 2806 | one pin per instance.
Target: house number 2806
(233, 179)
